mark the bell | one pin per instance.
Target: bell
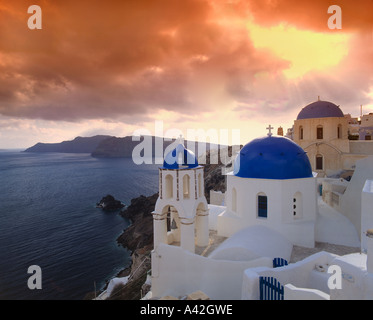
(173, 224)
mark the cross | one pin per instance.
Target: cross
(181, 139)
(269, 128)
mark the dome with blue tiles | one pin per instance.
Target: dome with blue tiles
(320, 109)
(272, 157)
(180, 158)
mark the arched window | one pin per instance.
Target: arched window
(297, 205)
(301, 133)
(173, 225)
(186, 186)
(319, 162)
(320, 132)
(339, 131)
(169, 188)
(262, 205)
(200, 186)
(234, 200)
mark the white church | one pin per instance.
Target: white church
(272, 209)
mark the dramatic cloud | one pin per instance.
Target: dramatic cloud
(99, 60)
(312, 15)
(133, 61)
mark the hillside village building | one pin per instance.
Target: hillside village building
(261, 235)
(323, 131)
(366, 127)
(277, 199)
(273, 206)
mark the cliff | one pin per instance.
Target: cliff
(78, 145)
(123, 147)
(214, 179)
(109, 203)
(114, 147)
(103, 146)
(138, 238)
(140, 233)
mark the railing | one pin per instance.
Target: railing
(270, 289)
(279, 262)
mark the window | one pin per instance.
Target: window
(297, 205)
(339, 131)
(319, 162)
(169, 187)
(186, 186)
(262, 206)
(200, 185)
(319, 132)
(368, 137)
(300, 133)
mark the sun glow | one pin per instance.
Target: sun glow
(305, 50)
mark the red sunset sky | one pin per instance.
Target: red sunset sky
(111, 67)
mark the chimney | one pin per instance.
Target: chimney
(280, 131)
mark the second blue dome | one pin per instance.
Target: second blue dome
(272, 158)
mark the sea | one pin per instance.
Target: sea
(49, 219)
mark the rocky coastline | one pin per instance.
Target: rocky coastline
(138, 237)
(109, 203)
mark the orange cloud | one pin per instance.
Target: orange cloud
(357, 16)
(134, 59)
(305, 50)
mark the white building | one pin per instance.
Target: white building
(366, 127)
(272, 185)
(271, 206)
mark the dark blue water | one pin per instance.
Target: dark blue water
(48, 218)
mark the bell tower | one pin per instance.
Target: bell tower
(181, 212)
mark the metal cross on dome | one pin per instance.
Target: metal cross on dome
(181, 139)
(269, 128)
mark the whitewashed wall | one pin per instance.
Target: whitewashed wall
(294, 293)
(280, 194)
(350, 202)
(178, 272)
(366, 211)
(297, 274)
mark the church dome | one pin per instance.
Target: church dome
(179, 158)
(320, 109)
(272, 158)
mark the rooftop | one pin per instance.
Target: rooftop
(320, 109)
(272, 157)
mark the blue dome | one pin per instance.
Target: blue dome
(320, 109)
(179, 158)
(272, 158)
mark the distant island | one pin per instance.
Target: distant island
(103, 146)
(78, 145)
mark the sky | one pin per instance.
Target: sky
(117, 67)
